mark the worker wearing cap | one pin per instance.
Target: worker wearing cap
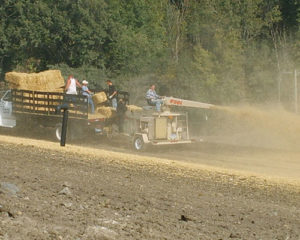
(86, 92)
(153, 99)
(112, 94)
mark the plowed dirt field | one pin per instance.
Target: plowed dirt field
(203, 192)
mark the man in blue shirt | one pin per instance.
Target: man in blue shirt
(153, 99)
(86, 92)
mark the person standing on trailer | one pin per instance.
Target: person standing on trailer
(71, 89)
(121, 110)
(86, 92)
(112, 94)
(71, 85)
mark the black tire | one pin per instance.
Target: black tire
(139, 144)
(71, 135)
(75, 131)
(58, 131)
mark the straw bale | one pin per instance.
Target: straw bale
(106, 111)
(99, 98)
(133, 108)
(48, 81)
(96, 115)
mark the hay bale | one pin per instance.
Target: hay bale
(47, 81)
(99, 98)
(133, 108)
(106, 111)
(96, 115)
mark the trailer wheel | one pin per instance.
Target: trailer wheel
(58, 131)
(138, 143)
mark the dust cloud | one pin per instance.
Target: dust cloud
(255, 126)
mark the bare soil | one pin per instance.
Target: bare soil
(79, 192)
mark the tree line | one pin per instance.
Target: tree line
(221, 51)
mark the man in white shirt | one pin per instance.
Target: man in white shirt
(71, 89)
(71, 85)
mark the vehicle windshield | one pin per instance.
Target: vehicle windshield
(5, 95)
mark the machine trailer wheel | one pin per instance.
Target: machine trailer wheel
(58, 131)
(138, 143)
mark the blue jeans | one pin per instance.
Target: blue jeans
(90, 102)
(70, 98)
(157, 103)
(114, 103)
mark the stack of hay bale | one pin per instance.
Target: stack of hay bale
(100, 100)
(47, 81)
(102, 110)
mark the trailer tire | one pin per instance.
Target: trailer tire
(58, 131)
(139, 144)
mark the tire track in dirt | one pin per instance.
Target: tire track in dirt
(117, 195)
(260, 165)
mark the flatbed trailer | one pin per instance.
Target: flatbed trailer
(32, 109)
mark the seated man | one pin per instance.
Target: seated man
(153, 99)
(86, 92)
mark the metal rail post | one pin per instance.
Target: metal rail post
(64, 127)
(296, 91)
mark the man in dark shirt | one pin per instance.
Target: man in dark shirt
(121, 109)
(112, 94)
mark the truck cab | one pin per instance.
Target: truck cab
(7, 119)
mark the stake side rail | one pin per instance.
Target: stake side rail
(45, 103)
